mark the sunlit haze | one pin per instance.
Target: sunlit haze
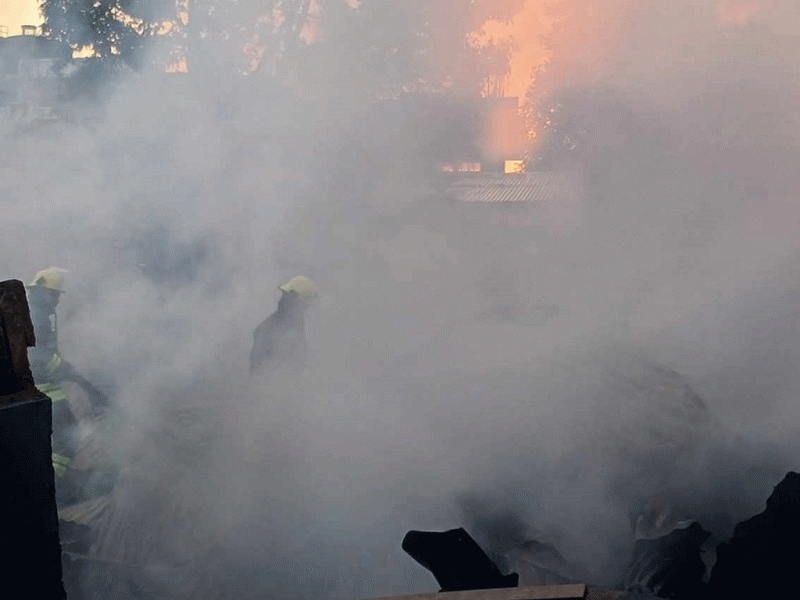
(551, 310)
(16, 13)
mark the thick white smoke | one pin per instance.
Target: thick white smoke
(452, 356)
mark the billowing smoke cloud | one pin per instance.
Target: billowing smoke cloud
(462, 372)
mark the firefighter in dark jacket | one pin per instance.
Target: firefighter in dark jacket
(50, 374)
(281, 337)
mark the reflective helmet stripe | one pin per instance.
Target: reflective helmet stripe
(51, 278)
(54, 363)
(53, 390)
(60, 464)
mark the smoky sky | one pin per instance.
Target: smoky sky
(463, 372)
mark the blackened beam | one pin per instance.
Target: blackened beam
(16, 335)
(30, 552)
(574, 591)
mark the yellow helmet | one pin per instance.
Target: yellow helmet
(51, 278)
(305, 288)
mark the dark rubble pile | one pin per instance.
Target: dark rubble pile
(456, 561)
(156, 535)
(663, 440)
(669, 566)
(667, 560)
(540, 563)
(761, 558)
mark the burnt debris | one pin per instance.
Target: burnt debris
(540, 563)
(670, 558)
(669, 566)
(16, 335)
(761, 559)
(456, 561)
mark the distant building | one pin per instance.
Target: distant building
(31, 70)
(541, 187)
(487, 163)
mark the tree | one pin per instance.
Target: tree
(119, 28)
(597, 44)
(708, 111)
(394, 47)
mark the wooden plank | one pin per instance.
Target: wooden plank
(575, 591)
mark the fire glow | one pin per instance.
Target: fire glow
(525, 30)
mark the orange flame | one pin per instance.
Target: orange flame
(525, 30)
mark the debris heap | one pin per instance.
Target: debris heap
(761, 558)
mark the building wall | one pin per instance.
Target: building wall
(29, 71)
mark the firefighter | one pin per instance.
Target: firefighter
(281, 337)
(50, 374)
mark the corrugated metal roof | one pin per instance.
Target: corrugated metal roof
(538, 186)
